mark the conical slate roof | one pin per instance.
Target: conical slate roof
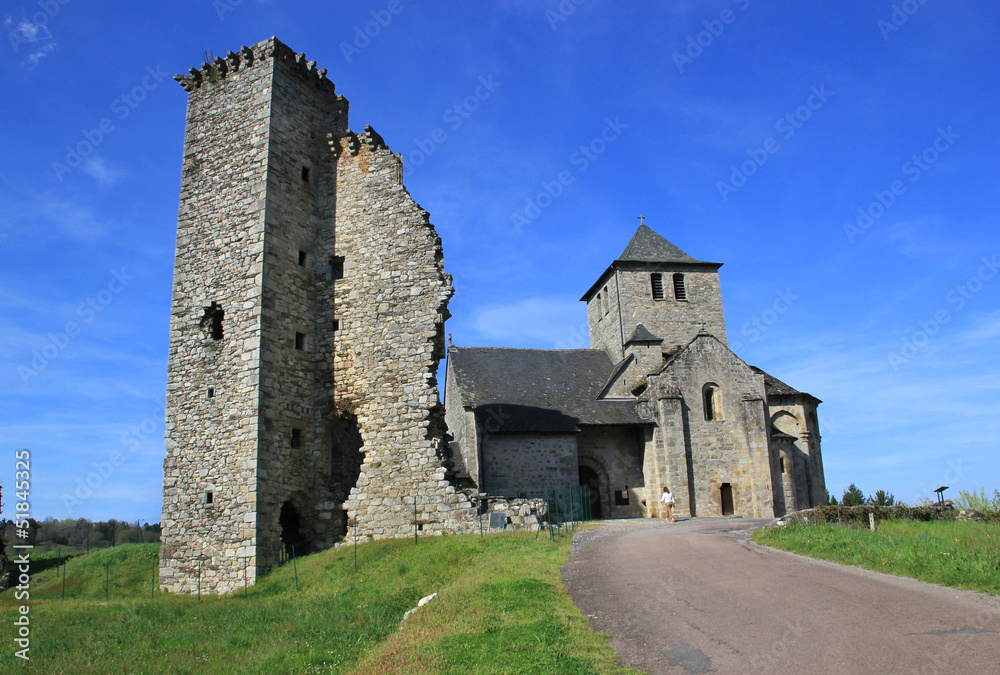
(648, 246)
(642, 334)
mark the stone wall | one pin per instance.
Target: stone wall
(695, 456)
(615, 453)
(323, 396)
(676, 321)
(513, 461)
(605, 327)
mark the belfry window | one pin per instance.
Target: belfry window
(680, 292)
(712, 397)
(607, 305)
(656, 281)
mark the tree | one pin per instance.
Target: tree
(882, 498)
(831, 500)
(853, 496)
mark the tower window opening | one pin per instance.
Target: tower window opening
(337, 266)
(300, 341)
(211, 392)
(607, 304)
(600, 305)
(782, 459)
(296, 440)
(656, 281)
(302, 258)
(305, 173)
(680, 292)
(336, 325)
(212, 320)
(209, 497)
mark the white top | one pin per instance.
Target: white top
(667, 498)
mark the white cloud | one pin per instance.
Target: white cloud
(543, 321)
(97, 168)
(35, 36)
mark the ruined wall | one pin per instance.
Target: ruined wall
(463, 444)
(391, 304)
(323, 395)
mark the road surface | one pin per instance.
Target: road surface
(697, 596)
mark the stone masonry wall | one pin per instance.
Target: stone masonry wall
(211, 439)
(676, 321)
(392, 305)
(512, 461)
(265, 416)
(696, 456)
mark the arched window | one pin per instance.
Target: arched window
(656, 281)
(607, 304)
(680, 292)
(600, 306)
(712, 397)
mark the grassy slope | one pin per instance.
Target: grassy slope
(958, 554)
(501, 608)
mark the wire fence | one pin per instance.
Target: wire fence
(558, 511)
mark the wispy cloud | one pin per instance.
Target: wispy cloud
(98, 169)
(34, 36)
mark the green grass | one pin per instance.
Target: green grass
(950, 553)
(501, 608)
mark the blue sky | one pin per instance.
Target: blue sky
(840, 159)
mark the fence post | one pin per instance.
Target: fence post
(64, 582)
(246, 583)
(355, 543)
(871, 521)
(548, 512)
(414, 519)
(199, 581)
(480, 514)
(295, 568)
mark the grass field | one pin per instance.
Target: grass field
(501, 608)
(950, 553)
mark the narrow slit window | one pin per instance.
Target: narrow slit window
(296, 440)
(600, 307)
(300, 341)
(211, 392)
(607, 304)
(656, 281)
(782, 465)
(336, 324)
(212, 320)
(305, 174)
(337, 266)
(209, 498)
(712, 396)
(680, 292)
(302, 258)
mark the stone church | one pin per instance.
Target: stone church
(659, 400)
(307, 327)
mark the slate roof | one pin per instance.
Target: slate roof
(775, 387)
(648, 246)
(537, 390)
(642, 334)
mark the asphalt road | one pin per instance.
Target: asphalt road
(697, 596)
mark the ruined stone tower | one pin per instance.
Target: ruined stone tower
(306, 329)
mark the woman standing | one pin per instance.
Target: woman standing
(667, 500)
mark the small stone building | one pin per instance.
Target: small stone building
(659, 400)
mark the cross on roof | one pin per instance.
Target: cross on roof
(642, 219)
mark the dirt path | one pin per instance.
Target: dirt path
(697, 596)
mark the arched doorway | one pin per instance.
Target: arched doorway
(727, 499)
(589, 478)
(290, 534)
